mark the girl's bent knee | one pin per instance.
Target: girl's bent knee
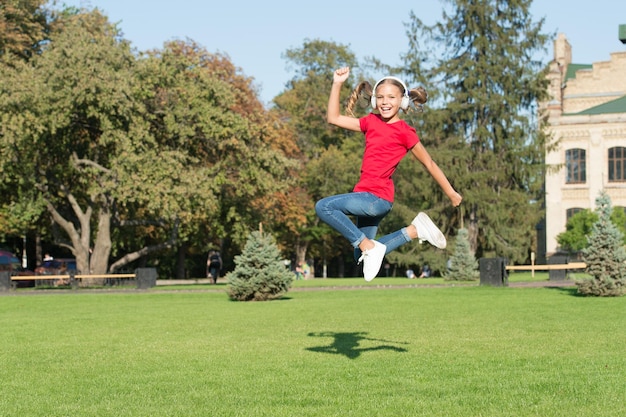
(319, 207)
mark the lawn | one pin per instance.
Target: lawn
(413, 351)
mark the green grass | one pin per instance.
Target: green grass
(415, 351)
(382, 282)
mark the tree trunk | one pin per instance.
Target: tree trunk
(301, 248)
(81, 239)
(180, 261)
(472, 230)
(99, 258)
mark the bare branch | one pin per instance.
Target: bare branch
(88, 162)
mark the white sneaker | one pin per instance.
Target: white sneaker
(372, 260)
(427, 231)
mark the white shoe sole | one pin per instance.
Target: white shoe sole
(428, 231)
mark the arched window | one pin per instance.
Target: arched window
(617, 164)
(571, 211)
(576, 165)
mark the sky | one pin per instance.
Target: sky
(255, 34)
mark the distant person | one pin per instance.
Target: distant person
(306, 270)
(299, 272)
(214, 265)
(410, 274)
(47, 258)
(426, 272)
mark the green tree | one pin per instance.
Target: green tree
(103, 141)
(64, 110)
(478, 65)
(605, 256)
(25, 26)
(326, 154)
(204, 112)
(463, 264)
(306, 98)
(580, 225)
(260, 273)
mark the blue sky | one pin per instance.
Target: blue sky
(255, 34)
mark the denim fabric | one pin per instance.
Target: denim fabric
(368, 210)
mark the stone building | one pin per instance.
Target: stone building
(587, 124)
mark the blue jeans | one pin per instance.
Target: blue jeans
(368, 210)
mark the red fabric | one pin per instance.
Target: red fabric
(385, 146)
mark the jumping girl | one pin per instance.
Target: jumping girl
(387, 140)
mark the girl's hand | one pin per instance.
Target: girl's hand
(455, 198)
(340, 75)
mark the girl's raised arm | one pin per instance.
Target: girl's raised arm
(333, 114)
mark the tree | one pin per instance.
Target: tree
(326, 153)
(577, 229)
(260, 273)
(463, 264)
(306, 99)
(103, 141)
(478, 66)
(605, 256)
(64, 110)
(24, 25)
(234, 156)
(580, 225)
(334, 172)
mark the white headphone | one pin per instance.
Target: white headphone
(404, 104)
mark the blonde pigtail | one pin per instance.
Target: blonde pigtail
(418, 96)
(361, 96)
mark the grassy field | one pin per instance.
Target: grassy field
(415, 351)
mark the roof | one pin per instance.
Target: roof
(572, 68)
(613, 106)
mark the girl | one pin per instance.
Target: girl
(387, 140)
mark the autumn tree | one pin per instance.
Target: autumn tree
(103, 141)
(24, 26)
(234, 159)
(329, 157)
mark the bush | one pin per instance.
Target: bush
(259, 273)
(605, 256)
(463, 264)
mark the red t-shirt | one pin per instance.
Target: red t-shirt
(385, 146)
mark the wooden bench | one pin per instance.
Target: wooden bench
(70, 279)
(145, 277)
(548, 267)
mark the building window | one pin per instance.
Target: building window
(571, 211)
(617, 164)
(576, 165)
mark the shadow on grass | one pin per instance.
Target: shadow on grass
(573, 291)
(348, 344)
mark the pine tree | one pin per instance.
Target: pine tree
(463, 264)
(479, 66)
(605, 256)
(259, 273)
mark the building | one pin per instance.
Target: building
(587, 125)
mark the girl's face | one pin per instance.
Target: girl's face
(388, 100)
